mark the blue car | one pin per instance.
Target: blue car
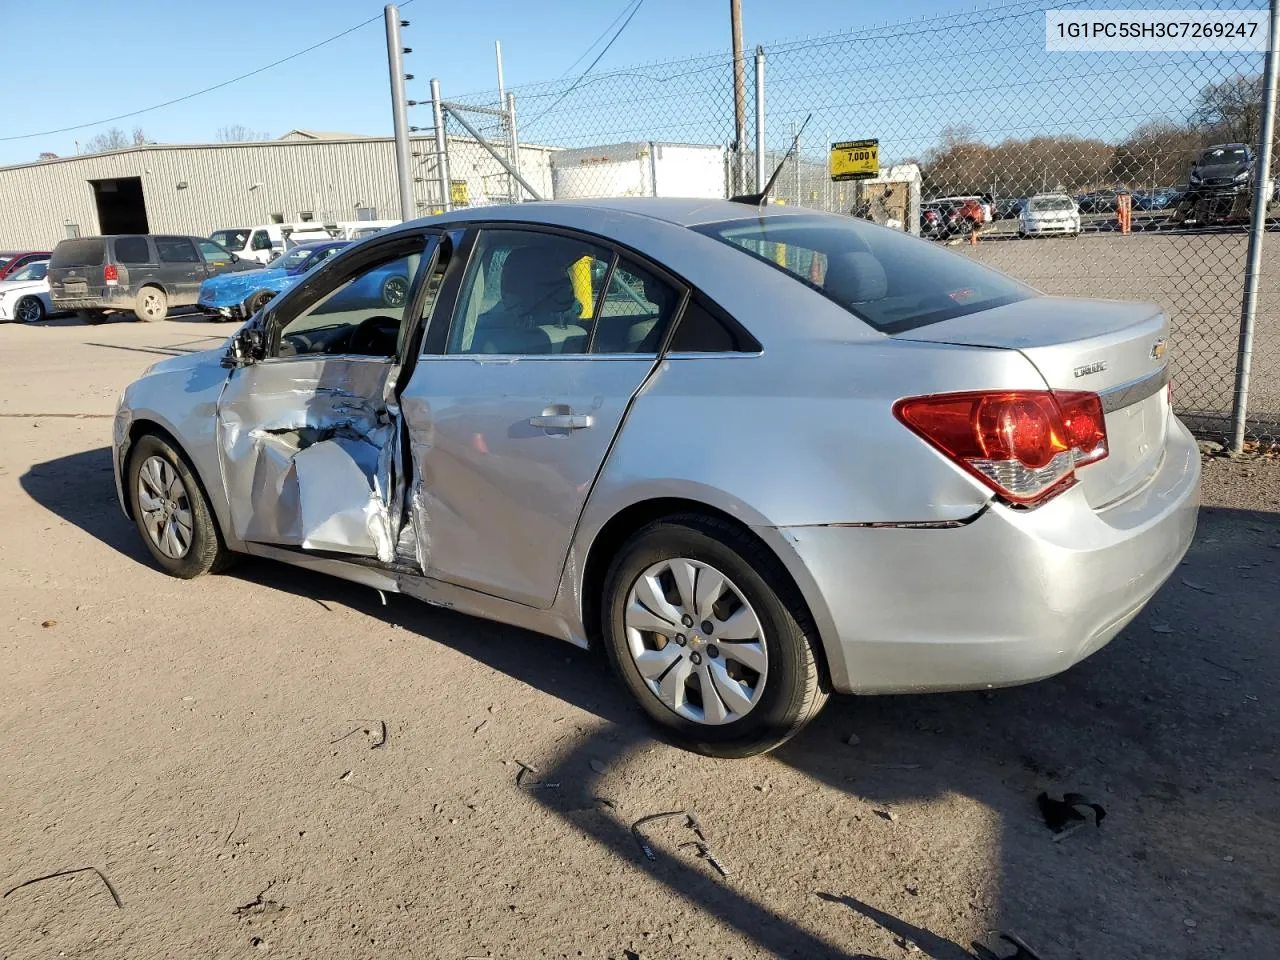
(236, 296)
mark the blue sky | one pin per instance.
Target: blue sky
(134, 53)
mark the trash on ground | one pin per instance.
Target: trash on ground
(852, 740)
(1064, 817)
(523, 781)
(368, 728)
(66, 873)
(702, 844)
(1021, 950)
(598, 766)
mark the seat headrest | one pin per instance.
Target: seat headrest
(855, 277)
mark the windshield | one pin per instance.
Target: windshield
(1040, 204)
(83, 252)
(889, 279)
(293, 259)
(233, 239)
(32, 271)
(1216, 155)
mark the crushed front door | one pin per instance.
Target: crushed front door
(306, 437)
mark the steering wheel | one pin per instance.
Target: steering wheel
(375, 337)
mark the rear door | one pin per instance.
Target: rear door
(181, 269)
(75, 269)
(514, 404)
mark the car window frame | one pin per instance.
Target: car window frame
(321, 283)
(199, 241)
(153, 252)
(436, 338)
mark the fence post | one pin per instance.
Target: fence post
(1257, 230)
(399, 110)
(760, 174)
(442, 148)
(515, 147)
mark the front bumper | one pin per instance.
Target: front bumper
(1012, 596)
(1043, 227)
(214, 311)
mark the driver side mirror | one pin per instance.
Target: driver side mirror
(247, 347)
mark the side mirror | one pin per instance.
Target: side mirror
(246, 347)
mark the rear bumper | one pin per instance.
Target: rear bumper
(108, 298)
(1033, 227)
(1012, 596)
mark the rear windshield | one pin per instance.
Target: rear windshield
(1050, 203)
(887, 278)
(233, 239)
(85, 252)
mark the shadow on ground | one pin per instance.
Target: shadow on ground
(1171, 727)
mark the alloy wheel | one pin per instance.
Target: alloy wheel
(151, 305)
(29, 310)
(165, 506)
(696, 642)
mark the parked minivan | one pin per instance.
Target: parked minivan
(139, 273)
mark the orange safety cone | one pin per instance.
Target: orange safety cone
(973, 236)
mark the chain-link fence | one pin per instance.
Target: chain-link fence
(1070, 171)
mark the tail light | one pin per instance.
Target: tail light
(110, 273)
(1024, 444)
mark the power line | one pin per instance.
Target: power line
(574, 86)
(198, 93)
(603, 34)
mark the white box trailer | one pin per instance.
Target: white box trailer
(645, 169)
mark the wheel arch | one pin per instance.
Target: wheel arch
(142, 427)
(635, 516)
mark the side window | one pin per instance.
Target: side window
(528, 294)
(213, 253)
(699, 330)
(176, 250)
(360, 315)
(634, 313)
(132, 250)
(260, 240)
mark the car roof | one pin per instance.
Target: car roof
(319, 244)
(684, 212)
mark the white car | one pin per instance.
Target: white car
(24, 296)
(1048, 213)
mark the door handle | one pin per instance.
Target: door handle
(562, 421)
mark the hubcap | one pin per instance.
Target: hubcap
(165, 507)
(151, 305)
(707, 683)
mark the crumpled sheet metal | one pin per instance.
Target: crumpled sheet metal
(306, 465)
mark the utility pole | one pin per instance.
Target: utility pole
(399, 107)
(507, 122)
(739, 97)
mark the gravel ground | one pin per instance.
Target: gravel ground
(216, 749)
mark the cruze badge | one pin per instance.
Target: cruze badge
(1159, 348)
(1089, 368)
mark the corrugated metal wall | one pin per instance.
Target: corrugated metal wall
(236, 185)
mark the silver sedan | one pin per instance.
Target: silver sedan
(758, 454)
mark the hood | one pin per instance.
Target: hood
(189, 361)
(1215, 170)
(244, 279)
(13, 286)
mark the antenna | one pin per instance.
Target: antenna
(758, 199)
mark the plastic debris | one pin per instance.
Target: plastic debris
(66, 873)
(702, 844)
(1021, 950)
(1068, 815)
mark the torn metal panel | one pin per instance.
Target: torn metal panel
(308, 455)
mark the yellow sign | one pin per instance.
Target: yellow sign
(460, 193)
(855, 160)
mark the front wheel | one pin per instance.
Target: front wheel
(257, 302)
(29, 310)
(152, 305)
(171, 511)
(709, 634)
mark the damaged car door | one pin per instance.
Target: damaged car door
(307, 438)
(513, 405)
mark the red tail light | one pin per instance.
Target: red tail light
(110, 273)
(1024, 444)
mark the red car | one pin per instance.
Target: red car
(11, 261)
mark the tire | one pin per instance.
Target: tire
(29, 310)
(91, 317)
(784, 697)
(257, 302)
(167, 472)
(152, 305)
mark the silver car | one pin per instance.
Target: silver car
(759, 454)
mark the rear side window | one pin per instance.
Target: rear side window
(132, 250)
(176, 250)
(84, 252)
(702, 331)
(890, 280)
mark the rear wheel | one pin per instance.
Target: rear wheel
(171, 511)
(29, 310)
(710, 636)
(152, 305)
(257, 302)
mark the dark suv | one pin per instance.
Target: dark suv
(142, 274)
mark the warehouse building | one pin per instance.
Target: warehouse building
(196, 189)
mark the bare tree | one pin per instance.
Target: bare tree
(239, 133)
(1231, 109)
(139, 137)
(113, 139)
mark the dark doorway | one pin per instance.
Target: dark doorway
(121, 207)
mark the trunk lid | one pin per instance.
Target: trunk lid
(1115, 349)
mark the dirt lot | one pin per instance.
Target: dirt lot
(203, 744)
